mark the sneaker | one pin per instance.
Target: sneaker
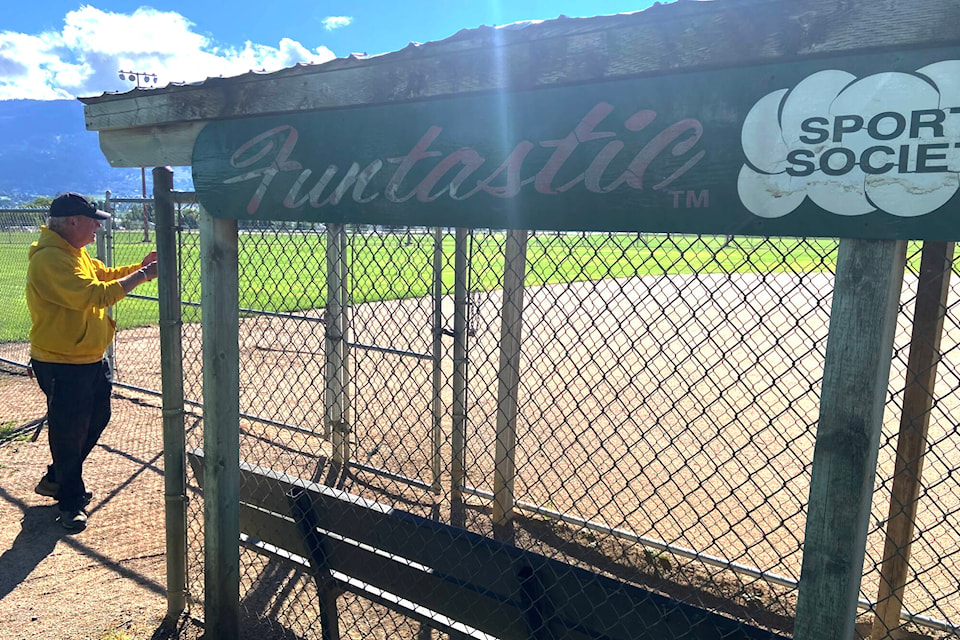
(47, 488)
(50, 489)
(74, 521)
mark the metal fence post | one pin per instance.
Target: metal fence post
(171, 368)
(335, 396)
(105, 255)
(459, 439)
(346, 323)
(436, 462)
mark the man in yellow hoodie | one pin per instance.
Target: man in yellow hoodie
(68, 294)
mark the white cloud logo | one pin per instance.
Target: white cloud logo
(887, 142)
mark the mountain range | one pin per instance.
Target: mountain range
(45, 150)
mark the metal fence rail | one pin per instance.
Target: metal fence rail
(660, 430)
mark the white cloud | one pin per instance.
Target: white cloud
(83, 58)
(335, 22)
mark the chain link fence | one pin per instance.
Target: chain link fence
(18, 228)
(665, 410)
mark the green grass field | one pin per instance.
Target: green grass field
(287, 271)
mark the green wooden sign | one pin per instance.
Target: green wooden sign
(858, 146)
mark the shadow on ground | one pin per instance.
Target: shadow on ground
(36, 541)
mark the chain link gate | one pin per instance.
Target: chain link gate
(397, 340)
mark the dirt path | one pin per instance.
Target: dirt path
(106, 582)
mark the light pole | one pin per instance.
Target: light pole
(146, 78)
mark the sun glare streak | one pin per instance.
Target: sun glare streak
(504, 111)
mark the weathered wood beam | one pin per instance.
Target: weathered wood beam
(933, 289)
(171, 373)
(856, 371)
(169, 145)
(508, 376)
(221, 426)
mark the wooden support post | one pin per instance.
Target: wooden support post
(936, 265)
(458, 441)
(221, 426)
(171, 373)
(511, 324)
(856, 373)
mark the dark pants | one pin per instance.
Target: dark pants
(78, 410)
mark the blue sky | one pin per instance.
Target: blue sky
(58, 49)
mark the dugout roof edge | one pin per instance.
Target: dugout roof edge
(158, 126)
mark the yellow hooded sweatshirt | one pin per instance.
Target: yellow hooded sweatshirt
(68, 294)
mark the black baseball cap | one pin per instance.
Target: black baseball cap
(74, 204)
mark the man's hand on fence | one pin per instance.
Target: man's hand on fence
(150, 270)
(146, 273)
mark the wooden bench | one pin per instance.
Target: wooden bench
(450, 579)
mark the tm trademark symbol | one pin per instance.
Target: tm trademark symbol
(691, 199)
